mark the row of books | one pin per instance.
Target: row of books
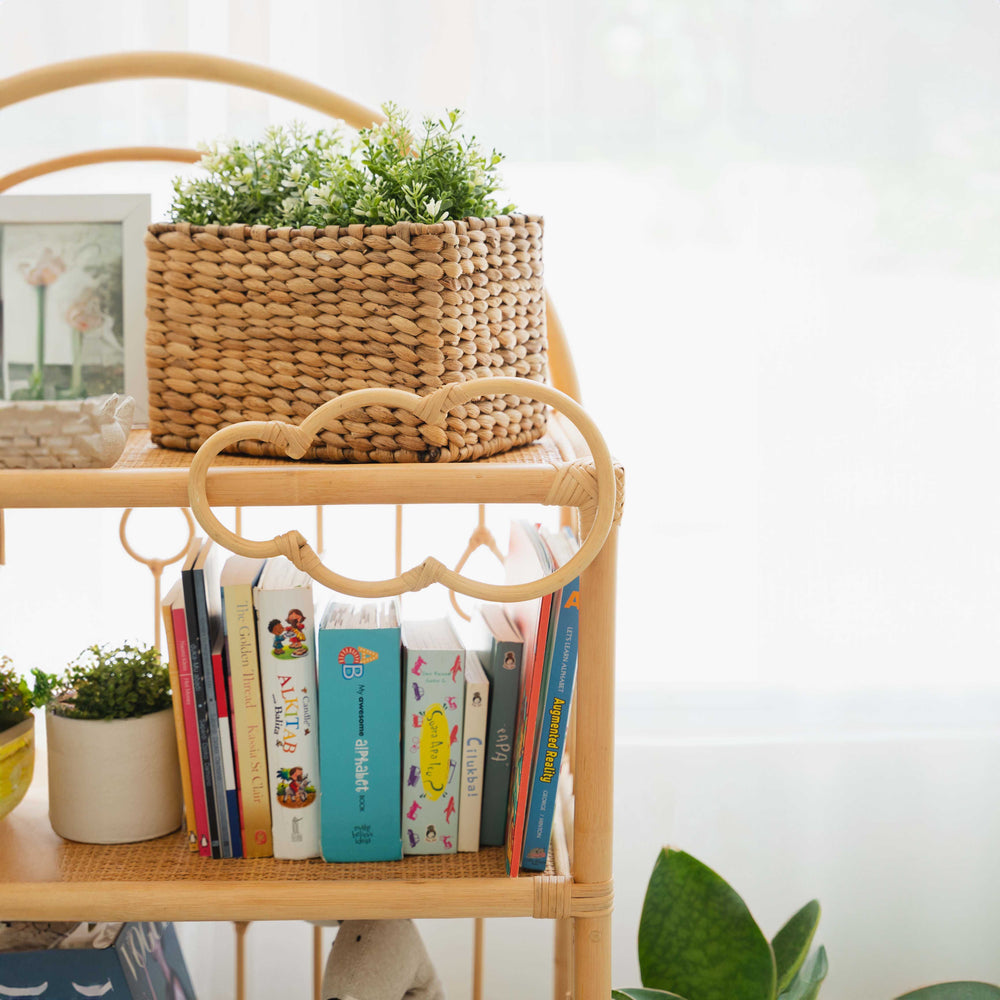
(368, 737)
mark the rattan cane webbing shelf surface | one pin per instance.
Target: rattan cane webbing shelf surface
(149, 476)
(43, 877)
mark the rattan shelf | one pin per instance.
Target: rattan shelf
(43, 877)
(148, 476)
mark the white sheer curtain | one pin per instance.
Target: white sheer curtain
(771, 233)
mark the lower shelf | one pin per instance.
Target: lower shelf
(43, 877)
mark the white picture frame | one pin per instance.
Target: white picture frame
(73, 238)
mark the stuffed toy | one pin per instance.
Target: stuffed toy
(380, 960)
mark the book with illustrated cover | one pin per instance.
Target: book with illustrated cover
(359, 663)
(239, 574)
(527, 560)
(201, 672)
(283, 606)
(500, 650)
(433, 716)
(557, 695)
(179, 693)
(477, 700)
(219, 674)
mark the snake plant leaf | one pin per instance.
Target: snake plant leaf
(791, 943)
(697, 937)
(955, 991)
(641, 993)
(806, 984)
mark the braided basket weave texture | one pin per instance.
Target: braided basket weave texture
(250, 323)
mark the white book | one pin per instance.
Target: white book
(470, 803)
(283, 604)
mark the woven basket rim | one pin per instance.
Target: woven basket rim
(404, 230)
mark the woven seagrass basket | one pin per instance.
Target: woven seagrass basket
(250, 323)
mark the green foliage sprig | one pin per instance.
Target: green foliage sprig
(17, 699)
(121, 683)
(296, 178)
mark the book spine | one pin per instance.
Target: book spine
(216, 762)
(226, 748)
(288, 689)
(247, 720)
(556, 703)
(177, 700)
(433, 716)
(360, 764)
(524, 747)
(504, 673)
(201, 719)
(473, 759)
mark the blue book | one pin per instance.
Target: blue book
(557, 697)
(360, 719)
(208, 620)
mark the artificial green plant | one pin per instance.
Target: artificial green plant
(17, 697)
(124, 682)
(387, 174)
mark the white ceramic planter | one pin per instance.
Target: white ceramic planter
(113, 782)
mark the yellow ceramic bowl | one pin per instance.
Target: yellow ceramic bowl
(17, 763)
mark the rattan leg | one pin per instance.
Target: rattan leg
(317, 962)
(241, 964)
(563, 987)
(477, 960)
(592, 958)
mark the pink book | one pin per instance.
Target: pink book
(191, 727)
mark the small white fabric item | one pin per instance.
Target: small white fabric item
(380, 960)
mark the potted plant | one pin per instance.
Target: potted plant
(17, 731)
(698, 941)
(304, 265)
(113, 768)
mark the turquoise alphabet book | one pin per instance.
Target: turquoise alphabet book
(360, 691)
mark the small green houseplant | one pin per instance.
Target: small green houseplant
(698, 941)
(114, 775)
(17, 731)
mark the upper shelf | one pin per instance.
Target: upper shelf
(149, 476)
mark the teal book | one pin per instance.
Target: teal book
(433, 719)
(500, 648)
(360, 749)
(557, 697)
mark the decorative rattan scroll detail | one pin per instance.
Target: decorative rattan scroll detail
(433, 409)
(156, 566)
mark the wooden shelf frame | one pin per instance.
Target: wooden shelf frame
(45, 878)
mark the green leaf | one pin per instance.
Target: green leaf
(697, 937)
(954, 991)
(806, 984)
(791, 943)
(641, 993)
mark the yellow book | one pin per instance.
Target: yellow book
(239, 574)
